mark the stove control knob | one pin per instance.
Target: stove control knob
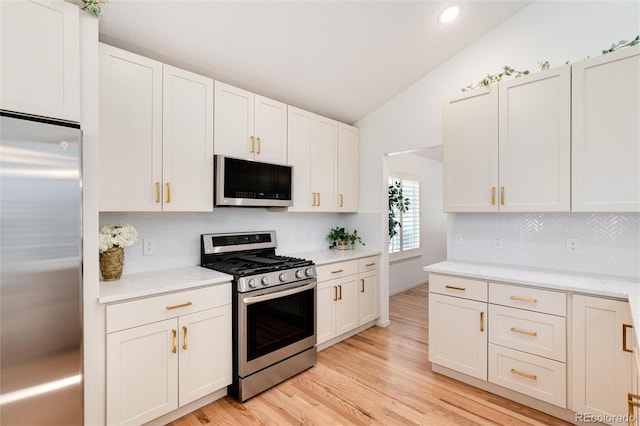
(283, 277)
(252, 283)
(309, 272)
(299, 274)
(265, 281)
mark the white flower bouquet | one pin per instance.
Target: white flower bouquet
(120, 235)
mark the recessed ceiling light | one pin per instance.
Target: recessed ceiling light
(449, 14)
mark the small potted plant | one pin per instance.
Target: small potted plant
(341, 239)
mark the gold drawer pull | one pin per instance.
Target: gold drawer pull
(493, 195)
(259, 146)
(525, 375)
(179, 306)
(624, 337)
(335, 293)
(253, 144)
(528, 333)
(168, 192)
(362, 281)
(502, 195)
(341, 200)
(451, 287)
(524, 299)
(481, 322)
(184, 330)
(340, 288)
(175, 341)
(370, 264)
(157, 192)
(338, 271)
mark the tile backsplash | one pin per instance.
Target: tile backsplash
(601, 243)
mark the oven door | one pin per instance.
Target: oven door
(275, 324)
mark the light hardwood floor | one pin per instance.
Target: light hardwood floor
(380, 376)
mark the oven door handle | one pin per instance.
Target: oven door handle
(278, 294)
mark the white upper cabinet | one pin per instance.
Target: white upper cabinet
(606, 133)
(522, 163)
(312, 153)
(348, 171)
(470, 151)
(535, 142)
(249, 126)
(40, 58)
(156, 135)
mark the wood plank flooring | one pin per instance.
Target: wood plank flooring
(380, 376)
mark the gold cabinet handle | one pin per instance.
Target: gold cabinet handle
(524, 299)
(184, 331)
(528, 333)
(341, 200)
(451, 287)
(168, 192)
(493, 195)
(318, 199)
(157, 192)
(175, 341)
(335, 293)
(253, 144)
(525, 375)
(340, 289)
(259, 146)
(481, 322)
(502, 195)
(179, 306)
(314, 200)
(338, 271)
(624, 337)
(370, 264)
(362, 282)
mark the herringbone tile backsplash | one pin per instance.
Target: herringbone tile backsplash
(608, 243)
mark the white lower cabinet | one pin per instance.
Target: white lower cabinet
(602, 341)
(347, 297)
(166, 351)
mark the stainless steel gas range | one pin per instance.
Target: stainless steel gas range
(274, 309)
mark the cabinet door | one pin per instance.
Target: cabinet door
(234, 118)
(142, 373)
(40, 57)
(470, 151)
(270, 130)
(368, 297)
(130, 131)
(326, 305)
(347, 304)
(606, 133)
(535, 142)
(300, 127)
(348, 171)
(205, 353)
(458, 334)
(187, 141)
(601, 367)
(323, 160)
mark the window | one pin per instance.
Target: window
(406, 242)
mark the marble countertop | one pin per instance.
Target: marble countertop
(327, 256)
(590, 284)
(157, 282)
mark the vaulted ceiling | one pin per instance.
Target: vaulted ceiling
(340, 59)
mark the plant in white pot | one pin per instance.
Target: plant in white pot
(341, 239)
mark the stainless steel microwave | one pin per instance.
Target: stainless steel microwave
(249, 183)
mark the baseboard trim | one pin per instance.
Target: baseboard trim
(186, 409)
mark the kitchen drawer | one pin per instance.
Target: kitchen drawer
(532, 299)
(458, 287)
(144, 311)
(336, 270)
(369, 263)
(532, 332)
(538, 377)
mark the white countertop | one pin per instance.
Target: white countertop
(324, 257)
(591, 284)
(158, 282)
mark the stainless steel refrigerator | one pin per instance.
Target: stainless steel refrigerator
(40, 272)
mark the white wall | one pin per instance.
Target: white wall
(407, 273)
(557, 31)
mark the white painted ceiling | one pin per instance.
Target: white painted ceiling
(340, 59)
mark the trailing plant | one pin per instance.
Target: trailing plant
(398, 203)
(621, 44)
(94, 7)
(495, 78)
(340, 234)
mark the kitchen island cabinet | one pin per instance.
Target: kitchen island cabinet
(40, 56)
